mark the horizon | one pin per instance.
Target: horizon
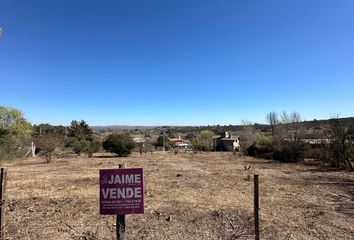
(156, 126)
(176, 63)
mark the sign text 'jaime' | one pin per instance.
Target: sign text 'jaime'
(121, 191)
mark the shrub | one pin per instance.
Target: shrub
(93, 146)
(313, 153)
(262, 139)
(262, 151)
(12, 146)
(121, 144)
(80, 146)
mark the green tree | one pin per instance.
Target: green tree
(121, 144)
(204, 140)
(81, 138)
(15, 133)
(190, 136)
(80, 130)
(59, 132)
(13, 122)
(163, 141)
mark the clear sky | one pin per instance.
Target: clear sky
(176, 62)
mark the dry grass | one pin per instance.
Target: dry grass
(211, 199)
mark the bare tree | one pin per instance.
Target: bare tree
(273, 120)
(293, 134)
(47, 144)
(292, 122)
(341, 146)
(248, 135)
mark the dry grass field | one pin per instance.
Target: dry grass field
(187, 196)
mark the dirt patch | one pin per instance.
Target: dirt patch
(187, 196)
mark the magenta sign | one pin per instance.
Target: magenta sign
(121, 191)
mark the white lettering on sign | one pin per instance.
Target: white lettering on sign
(125, 179)
(121, 193)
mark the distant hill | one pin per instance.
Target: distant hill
(313, 124)
(120, 127)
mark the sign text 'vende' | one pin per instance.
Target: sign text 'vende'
(121, 191)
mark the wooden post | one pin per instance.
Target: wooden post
(256, 207)
(2, 202)
(120, 220)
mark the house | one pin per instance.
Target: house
(179, 142)
(139, 141)
(226, 142)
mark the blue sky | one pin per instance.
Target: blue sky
(175, 62)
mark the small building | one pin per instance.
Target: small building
(179, 142)
(139, 141)
(226, 142)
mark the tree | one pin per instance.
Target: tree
(162, 141)
(341, 146)
(272, 119)
(204, 140)
(81, 138)
(59, 132)
(47, 143)
(80, 130)
(15, 132)
(248, 134)
(293, 135)
(190, 136)
(13, 122)
(121, 144)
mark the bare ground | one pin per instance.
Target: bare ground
(211, 198)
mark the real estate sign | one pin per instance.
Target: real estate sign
(121, 191)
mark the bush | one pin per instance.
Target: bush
(313, 153)
(93, 146)
(262, 151)
(262, 139)
(121, 144)
(12, 147)
(80, 146)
